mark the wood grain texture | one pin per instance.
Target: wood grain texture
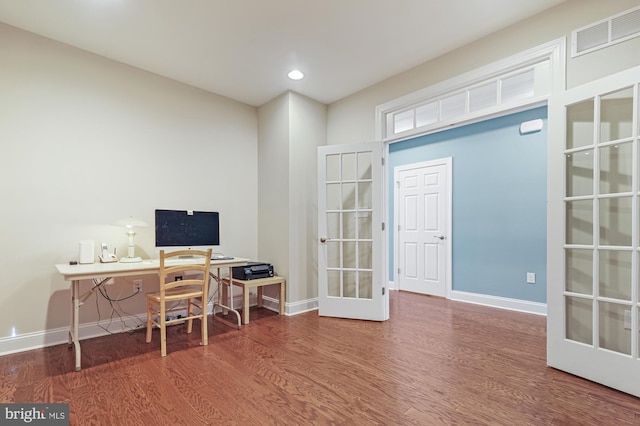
(434, 362)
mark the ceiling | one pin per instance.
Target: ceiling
(243, 49)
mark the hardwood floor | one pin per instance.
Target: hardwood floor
(434, 362)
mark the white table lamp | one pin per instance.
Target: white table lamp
(130, 223)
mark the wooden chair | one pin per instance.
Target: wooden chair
(192, 290)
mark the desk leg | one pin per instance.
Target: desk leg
(283, 287)
(245, 304)
(222, 298)
(75, 312)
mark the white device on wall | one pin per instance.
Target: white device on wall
(107, 257)
(86, 252)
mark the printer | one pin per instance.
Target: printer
(252, 271)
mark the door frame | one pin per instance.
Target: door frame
(448, 162)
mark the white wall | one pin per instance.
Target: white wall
(308, 131)
(87, 141)
(352, 119)
(273, 184)
(291, 127)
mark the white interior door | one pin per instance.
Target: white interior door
(423, 194)
(350, 260)
(594, 289)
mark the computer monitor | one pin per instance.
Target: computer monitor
(184, 229)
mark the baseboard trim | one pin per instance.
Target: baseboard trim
(58, 336)
(500, 302)
(302, 306)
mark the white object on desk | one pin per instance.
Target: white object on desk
(129, 223)
(106, 271)
(86, 252)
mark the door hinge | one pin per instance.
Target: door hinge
(382, 161)
(383, 291)
(383, 226)
(398, 271)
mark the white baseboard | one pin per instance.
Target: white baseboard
(494, 301)
(301, 307)
(57, 336)
(500, 302)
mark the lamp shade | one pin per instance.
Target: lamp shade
(131, 221)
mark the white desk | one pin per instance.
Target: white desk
(106, 271)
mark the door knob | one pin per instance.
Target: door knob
(324, 239)
(442, 237)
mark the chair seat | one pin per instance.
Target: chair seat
(176, 294)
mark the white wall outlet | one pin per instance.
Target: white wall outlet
(137, 286)
(531, 277)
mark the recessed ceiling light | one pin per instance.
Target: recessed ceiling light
(295, 75)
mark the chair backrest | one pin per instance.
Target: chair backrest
(176, 263)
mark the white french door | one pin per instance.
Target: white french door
(594, 246)
(422, 203)
(350, 260)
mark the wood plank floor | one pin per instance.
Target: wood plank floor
(434, 362)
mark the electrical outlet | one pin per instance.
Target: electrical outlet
(178, 278)
(531, 277)
(137, 286)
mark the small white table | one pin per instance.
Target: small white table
(258, 284)
(105, 271)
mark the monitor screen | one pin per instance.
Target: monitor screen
(187, 228)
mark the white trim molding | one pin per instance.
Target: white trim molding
(500, 302)
(550, 77)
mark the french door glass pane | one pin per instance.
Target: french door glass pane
(333, 254)
(348, 196)
(365, 255)
(580, 173)
(364, 165)
(579, 271)
(333, 225)
(349, 254)
(613, 334)
(349, 284)
(579, 222)
(365, 226)
(348, 166)
(333, 283)
(349, 230)
(333, 167)
(333, 196)
(579, 318)
(365, 280)
(616, 115)
(615, 221)
(616, 168)
(580, 119)
(615, 274)
(364, 195)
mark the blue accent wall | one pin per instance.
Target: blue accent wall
(499, 203)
